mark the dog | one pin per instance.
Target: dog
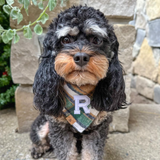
(80, 55)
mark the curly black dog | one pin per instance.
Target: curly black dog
(80, 50)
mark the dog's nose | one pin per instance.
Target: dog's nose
(81, 59)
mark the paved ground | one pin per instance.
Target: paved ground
(141, 143)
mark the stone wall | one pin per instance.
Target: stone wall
(24, 57)
(146, 52)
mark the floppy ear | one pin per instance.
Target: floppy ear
(109, 93)
(48, 85)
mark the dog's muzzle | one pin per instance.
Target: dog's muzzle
(81, 59)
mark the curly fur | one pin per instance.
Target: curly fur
(109, 94)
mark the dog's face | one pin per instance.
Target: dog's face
(80, 48)
(83, 51)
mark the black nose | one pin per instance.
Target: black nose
(81, 59)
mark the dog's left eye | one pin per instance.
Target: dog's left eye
(96, 40)
(65, 40)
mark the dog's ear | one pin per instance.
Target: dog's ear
(109, 93)
(48, 87)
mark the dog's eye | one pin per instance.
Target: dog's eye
(65, 40)
(96, 41)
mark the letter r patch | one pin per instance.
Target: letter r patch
(81, 105)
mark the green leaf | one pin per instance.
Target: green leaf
(40, 5)
(14, 13)
(19, 18)
(34, 2)
(52, 4)
(5, 38)
(10, 2)
(4, 81)
(1, 29)
(21, 1)
(44, 18)
(27, 32)
(16, 38)
(10, 34)
(26, 4)
(2, 2)
(38, 29)
(7, 9)
(62, 2)
(7, 97)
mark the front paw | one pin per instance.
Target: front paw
(37, 151)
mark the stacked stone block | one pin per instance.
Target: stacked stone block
(24, 57)
(146, 53)
(24, 64)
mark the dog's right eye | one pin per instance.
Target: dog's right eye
(96, 41)
(65, 40)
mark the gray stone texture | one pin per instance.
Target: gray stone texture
(144, 87)
(116, 8)
(146, 50)
(154, 33)
(121, 117)
(125, 34)
(136, 98)
(24, 59)
(25, 111)
(133, 81)
(140, 6)
(135, 51)
(133, 22)
(157, 93)
(153, 9)
(141, 20)
(145, 64)
(139, 39)
(126, 38)
(120, 121)
(113, 21)
(127, 80)
(156, 53)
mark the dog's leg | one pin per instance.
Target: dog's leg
(63, 141)
(39, 137)
(93, 143)
(72, 155)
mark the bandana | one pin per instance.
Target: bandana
(82, 118)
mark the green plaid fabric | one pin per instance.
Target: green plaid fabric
(79, 121)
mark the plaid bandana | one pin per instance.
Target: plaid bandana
(83, 120)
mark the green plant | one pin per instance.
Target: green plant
(7, 88)
(15, 14)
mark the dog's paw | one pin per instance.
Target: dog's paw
(37, 151)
